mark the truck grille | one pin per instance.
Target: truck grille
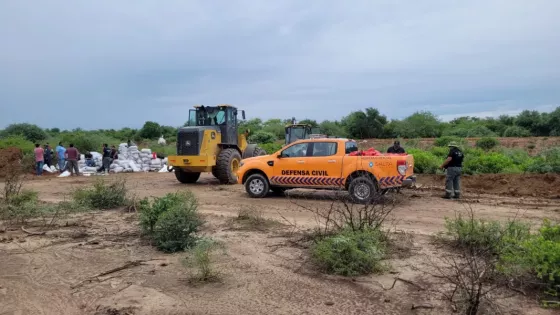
(188, 142)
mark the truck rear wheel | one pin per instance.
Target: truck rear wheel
(186, 177)
(227, 165)
(363, 190)
(257, 186)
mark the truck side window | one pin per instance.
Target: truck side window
(297, 150)
(324, 148)
(351, 146)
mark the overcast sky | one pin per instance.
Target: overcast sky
(110, 64)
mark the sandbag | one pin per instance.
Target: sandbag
(46, 168)
(64, 174)
(163, 169)
(134, 167)
(53, 169)
(118, 169)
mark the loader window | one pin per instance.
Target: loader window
(324, 148)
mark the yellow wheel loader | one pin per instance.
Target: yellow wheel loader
(211, 143)
(297, 131)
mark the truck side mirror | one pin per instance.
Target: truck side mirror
(243, 114)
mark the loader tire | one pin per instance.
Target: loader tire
(227, 164)
(186, 177)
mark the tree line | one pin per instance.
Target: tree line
(363, 124)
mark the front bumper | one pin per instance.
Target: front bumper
(409, 181)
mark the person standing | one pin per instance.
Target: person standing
(454, 166)
(39, 159)
(396, 148)
(72, 157)
(61, 155)
(48, 155)
(106, 159)
(114, 153)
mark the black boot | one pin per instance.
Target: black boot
(446, 196)
(457, 196)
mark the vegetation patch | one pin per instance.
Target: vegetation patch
(171, 221)
(350, 253)
(102, 195)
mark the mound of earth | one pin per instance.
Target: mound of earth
(9, 157)
(515, 185)
(137, 300)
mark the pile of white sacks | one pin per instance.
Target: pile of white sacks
(133, 160)
(130, 160)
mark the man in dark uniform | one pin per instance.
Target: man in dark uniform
(396, 148)
(454, 165)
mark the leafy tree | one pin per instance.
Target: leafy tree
(30, 132)
(150, 130)
(419, 125)
(253, 125)
(363, 125)
(516, 131)
(276, 127)
(332, 128)
(534, 121)
(311, 122)
(262, 137)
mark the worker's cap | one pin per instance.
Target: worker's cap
(453, 144)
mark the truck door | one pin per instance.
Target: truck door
(325, 164)
(291, 165)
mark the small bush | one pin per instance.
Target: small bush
(444, 141)
(102, 195)
(487, 143)
(171, 221)
(271, 148)
(491, 236)
(17, 141)
(547, 162)
(538, 256)
(253, 219)
(262, 137)
(350, 253)
(202, 260)
(491, 163)
(440, 152)
(516, 132)
(425, 162)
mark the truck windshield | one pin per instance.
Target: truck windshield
(295, 133)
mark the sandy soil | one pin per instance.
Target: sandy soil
(263, 270)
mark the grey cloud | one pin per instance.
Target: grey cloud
(113, 64)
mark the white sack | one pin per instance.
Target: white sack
(134, 167)
(53, 168)
(64, 174)
(118, 169)
(163, 169)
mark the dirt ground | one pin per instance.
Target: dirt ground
(263, 270)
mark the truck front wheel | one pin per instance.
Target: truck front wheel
(362, 190)
(257, 186)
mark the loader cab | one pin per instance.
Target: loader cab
(295, 132)
(222, 118)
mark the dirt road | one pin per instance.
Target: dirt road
(264, 272)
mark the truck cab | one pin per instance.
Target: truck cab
(326, 163)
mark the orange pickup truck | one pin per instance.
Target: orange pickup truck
(326, 163)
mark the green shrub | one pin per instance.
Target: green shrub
(171, 221)
(30, 132)
(440, 152)
(150, 212)
(444, 141)
(516, 131)
(547, 162)
(519, 157)
(202, 260)
(539, 256)
(491, 163)
(262, 137)
(493, 236)
(425, 162)
(271, 148)
(19, 142)
(102, 195)
(88, 141)
(350, 253)
(487, 143)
